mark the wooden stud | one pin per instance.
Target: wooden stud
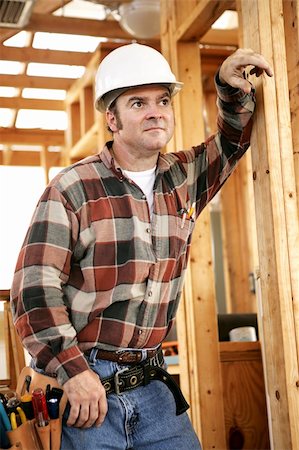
(291, 17)
(237, 213)
(200, 18)
(7, 156)
(86, 145)
(86, 109)
(200, 295)
(277, 222)
(73, 131)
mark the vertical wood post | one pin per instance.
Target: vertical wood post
(199, 303)
(277, 222)
(200, 296)
(291, 17)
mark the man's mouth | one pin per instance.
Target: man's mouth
(153, 129)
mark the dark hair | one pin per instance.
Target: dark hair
(113, 109)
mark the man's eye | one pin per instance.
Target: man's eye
(137, 104)
(165, 101)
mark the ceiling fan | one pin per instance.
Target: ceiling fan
(140, 18)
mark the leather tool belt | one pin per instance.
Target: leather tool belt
(127, 356)
(142, 374)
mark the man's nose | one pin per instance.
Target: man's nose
(154, 111)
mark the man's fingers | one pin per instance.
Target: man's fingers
(257, 71)
(87, 398)
(89, 417)
(73, 415)
(231, 70)
(103, 409)
(84, 416)
(247, 57)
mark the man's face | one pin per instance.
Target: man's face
(143, 120)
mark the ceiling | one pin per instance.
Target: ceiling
(32, 85)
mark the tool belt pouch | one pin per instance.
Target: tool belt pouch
(29, 436)
(25, 436)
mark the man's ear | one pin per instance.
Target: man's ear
(111, 121)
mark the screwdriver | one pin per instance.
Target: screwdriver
(40, 407)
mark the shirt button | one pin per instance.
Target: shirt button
(148, 230)
(139, 331)
(143, 197)
(150, 293)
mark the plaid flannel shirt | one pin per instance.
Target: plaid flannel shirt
(94, 270)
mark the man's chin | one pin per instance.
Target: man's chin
(156, 144)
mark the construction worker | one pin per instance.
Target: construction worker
(101, 271)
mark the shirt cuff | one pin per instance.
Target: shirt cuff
(67, 364)
(230, 94)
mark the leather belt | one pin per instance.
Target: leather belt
(126, 356)
(142, 374)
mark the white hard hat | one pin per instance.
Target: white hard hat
(129, 66)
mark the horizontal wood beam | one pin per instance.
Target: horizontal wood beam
(31, 158)
(205, 13)
(69, 25)
(31, 103)
(220, 37)
(25, 81)
(28, 54)
(10, 136)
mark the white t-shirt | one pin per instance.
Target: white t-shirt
(145, 180)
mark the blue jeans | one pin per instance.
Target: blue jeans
(141, 419)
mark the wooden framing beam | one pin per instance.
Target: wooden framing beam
(291, 16)
(31, 158)
(29, 54)
(87, 78)
(237, 235)
(7, 157)
(55, 24)
(23, 81)
(196, 322)
(277, 222)
(86, 145)
(204, 14)
(87, 108)
(9, 136)
(31, 103)
(200, 298)
(220, 37)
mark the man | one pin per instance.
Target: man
(100, 274)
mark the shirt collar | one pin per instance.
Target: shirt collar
(163, 164)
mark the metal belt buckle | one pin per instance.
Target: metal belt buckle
(117, 382)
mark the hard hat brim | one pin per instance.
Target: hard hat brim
(103, 103)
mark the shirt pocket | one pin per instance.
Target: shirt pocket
(184, 229)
